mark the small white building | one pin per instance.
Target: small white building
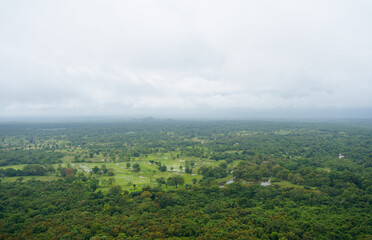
(340, 156)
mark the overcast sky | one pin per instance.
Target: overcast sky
(174, 58)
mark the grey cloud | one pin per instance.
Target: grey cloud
(117, 57)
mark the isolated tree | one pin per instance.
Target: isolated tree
(104, 169)
(160, 180)
(176, 180)
(194, 181)
(95, 169)
(163, 168)
(110, 172)
(136, 167)
(188, 170)
(115, 190)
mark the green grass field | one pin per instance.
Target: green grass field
(126, 177)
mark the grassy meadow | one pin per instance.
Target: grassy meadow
(124, 176)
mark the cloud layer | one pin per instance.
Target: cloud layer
(129, 57)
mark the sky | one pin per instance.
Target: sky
(166, 58)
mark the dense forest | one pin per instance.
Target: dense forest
(159, 179)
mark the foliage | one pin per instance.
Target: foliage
(175, 180)
(57, 208)
(136, 167)
(314, 193)
(30, 156)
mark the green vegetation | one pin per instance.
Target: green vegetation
(186, 180)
